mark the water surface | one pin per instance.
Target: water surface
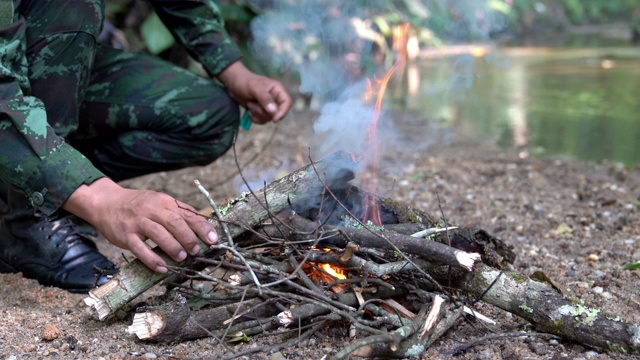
(582, 102)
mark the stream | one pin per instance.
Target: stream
(579, 100)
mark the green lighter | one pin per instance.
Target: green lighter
(245, 121)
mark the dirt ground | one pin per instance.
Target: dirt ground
(577, 222)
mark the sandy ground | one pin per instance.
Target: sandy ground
(576, 222)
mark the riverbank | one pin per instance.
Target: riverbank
(575, 221)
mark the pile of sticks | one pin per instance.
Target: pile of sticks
(296, 256)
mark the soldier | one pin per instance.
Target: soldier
(76, 117)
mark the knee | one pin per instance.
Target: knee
(220, 112)
(213, 134)
(56, 17)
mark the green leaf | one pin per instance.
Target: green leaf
(198, 302)
(155, 35)
(500, 6)
(632, 266)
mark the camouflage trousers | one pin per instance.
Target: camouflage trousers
(131, 114)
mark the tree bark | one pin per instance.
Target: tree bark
(549, 311)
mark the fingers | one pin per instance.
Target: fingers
(282, 98)
(273, 100)
(199, 224)
(258, 115)
(172, 226)
(171, 237)
(267, 105)
(179, 229)
(143, 252)
(175, 227)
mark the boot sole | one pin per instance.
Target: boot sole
(8, 269)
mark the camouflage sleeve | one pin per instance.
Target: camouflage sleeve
(32, 157)
(199, 27)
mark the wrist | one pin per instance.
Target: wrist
(232, 74)
(86, 201)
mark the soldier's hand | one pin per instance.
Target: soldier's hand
(266, 99)
(127, 218)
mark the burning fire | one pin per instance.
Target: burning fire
(327, 274)
(334, 271)
(377, 88)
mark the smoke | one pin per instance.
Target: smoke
(318, 40)
(315, 38)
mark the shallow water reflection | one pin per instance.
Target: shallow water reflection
(579, 102)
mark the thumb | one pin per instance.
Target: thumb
(267, 102)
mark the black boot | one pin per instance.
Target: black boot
(56, 253)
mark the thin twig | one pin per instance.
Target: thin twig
(237, 253)
(216, 210)
(274, 348)
(462, 348)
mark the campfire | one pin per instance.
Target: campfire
(312, 250)
(297, 256)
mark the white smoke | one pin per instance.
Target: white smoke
(317, 39)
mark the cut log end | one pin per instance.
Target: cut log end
(146, 325)
(467, 260)
(96, 299)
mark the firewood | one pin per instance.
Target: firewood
(168, 324)
(301, 186)
(382, 282)
(548, 310)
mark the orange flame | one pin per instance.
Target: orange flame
(334, 271)
(327, 274)
(379, 87)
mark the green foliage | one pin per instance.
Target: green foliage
(583, 11)
(632, 266)
(155, 35)
(434, 22)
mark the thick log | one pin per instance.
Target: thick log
(179, 323)
(176, 322)
(243, 213)
(551, 312)
(427, 249)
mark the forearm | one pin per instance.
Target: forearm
(35, 160)
(199, 27)
(32, 157)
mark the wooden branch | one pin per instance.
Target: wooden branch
(179, 323)
(390, 340)
(549, 311)
(429, 250)
(246, 212)
(415, 345)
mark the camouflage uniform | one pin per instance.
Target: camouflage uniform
(72, 110)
